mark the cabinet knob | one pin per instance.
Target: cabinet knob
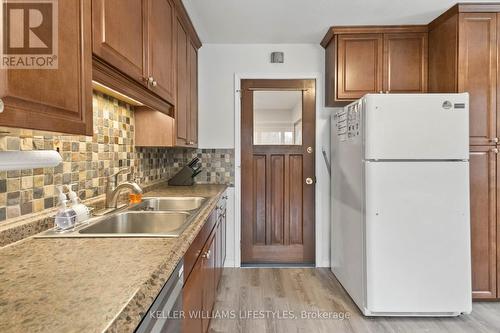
(154, 83)
(309, 180)
(206, 255)
(494, 150)
(494, 140)
(1, 106)
(150, 80)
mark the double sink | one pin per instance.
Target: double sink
(153, 217)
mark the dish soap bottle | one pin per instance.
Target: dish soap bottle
(65, 217)
(82, 211)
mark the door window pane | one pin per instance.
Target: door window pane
(277, 117)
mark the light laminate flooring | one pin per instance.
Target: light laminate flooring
(281, 296)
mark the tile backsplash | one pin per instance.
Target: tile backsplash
(87, 161)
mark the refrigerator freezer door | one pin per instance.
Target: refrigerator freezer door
(418, 238)
(416, 126)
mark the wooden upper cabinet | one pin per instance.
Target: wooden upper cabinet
(186, 114)
(153, 128)
(58, 100)
(118, 35)
(405, 62)
(161, 48)
(181, 107)
(483, 180)
(477, 73)
(364, 60)
(193, 94)
(359, 65)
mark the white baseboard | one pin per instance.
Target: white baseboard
(229, 263)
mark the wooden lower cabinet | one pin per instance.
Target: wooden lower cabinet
(192, 300)
(203, 277)
(484, 203)
(209, 279)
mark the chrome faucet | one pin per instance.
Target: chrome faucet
(113, 188)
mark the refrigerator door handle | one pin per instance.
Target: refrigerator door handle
(327, 162)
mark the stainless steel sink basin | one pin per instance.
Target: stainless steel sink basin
(153, 217)
(170, 204)
(143, 223)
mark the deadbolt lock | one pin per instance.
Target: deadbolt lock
(309, 150)
(309, 181)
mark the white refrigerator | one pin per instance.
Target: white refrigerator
(400, 204)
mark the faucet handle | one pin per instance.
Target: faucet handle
(116, 174)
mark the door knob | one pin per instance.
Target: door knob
(309, 181)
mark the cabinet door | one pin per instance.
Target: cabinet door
(483, 188)
(182, 102)
(477, 73)
(118, 35)
(193, 95)
(58, 100)
(224, 236)
(161, 48)
(218, 254)
(208, 280)
(405, 62)
(192, 301)
(153, 128)
(359, 65)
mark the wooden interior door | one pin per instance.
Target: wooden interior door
(277, 203)
(118, 35)
(483, 182)
(360, 59)
(477, 74)
(405, 63)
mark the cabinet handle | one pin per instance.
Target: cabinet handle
(494, 150)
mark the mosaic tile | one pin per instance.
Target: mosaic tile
(88, 160)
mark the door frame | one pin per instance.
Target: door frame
(237, 154)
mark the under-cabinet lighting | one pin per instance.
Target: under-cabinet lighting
(113, 93)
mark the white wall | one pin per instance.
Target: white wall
(218, 64)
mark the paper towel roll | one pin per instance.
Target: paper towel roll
(20, 160)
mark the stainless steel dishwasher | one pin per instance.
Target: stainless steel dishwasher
(165, 314)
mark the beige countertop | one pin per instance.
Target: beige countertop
(92, 284)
